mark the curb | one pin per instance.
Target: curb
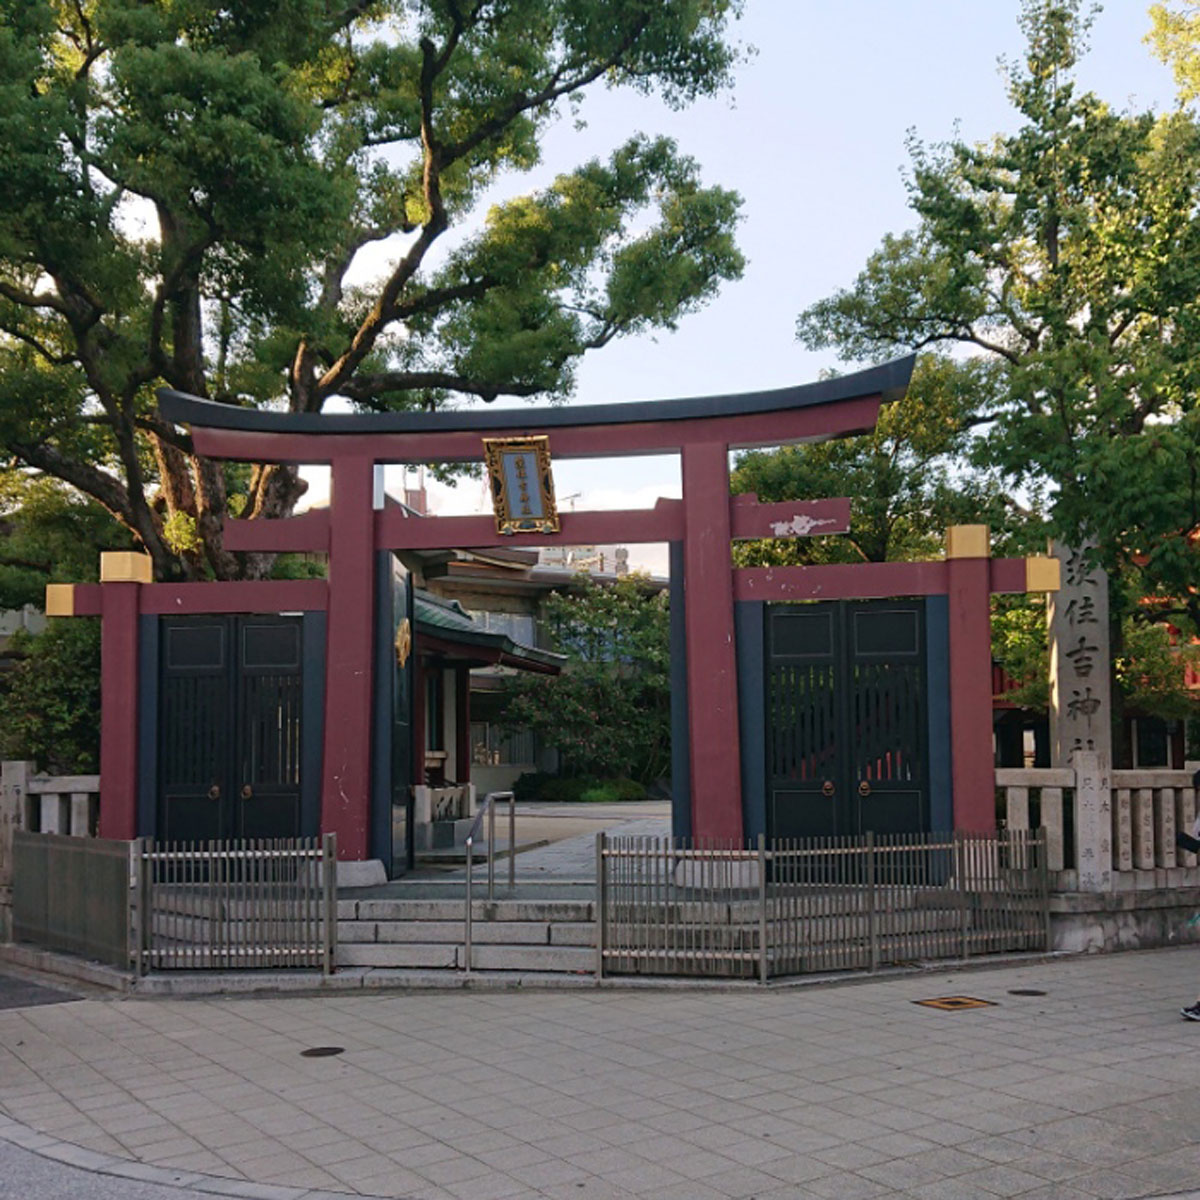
(198, 984)
(66, 966)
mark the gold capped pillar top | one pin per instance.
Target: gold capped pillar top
(125, 566)
(60, 599)
(1042, 574)
(968, 541)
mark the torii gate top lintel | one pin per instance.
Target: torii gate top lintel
(827, 408)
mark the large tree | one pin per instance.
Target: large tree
(1065, 257)
(249, 202)
(907, 480)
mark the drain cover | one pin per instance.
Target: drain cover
(954, 1003)
(322, 1051)
(1026, 992)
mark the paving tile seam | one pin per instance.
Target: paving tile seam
(71, 1154)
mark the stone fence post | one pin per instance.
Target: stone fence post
(14, 787)
(1093, 821)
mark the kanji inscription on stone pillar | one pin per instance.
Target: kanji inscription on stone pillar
(1080, 691)
(1093, 821)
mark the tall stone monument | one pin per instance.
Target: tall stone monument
(1081, 706)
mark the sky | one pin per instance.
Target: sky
(813, 137)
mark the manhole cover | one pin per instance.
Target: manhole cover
(1026, 992)
(954, 1003)
(322, 1051)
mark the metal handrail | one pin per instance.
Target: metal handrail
(488, 807)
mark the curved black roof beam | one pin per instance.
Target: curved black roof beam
(889, 380)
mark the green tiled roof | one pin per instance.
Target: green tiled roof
(448, 620)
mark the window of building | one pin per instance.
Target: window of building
(492, 746)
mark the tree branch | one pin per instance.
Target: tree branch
(383, 312)
(30, 299)
(554, 90)
(104, 488)
(367, 387)
(55, 360)
(167, 433)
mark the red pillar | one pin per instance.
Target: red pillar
(118, 702)
(712, 664)
(968, 576)
(346, 783)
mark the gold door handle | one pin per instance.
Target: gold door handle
(214, 792)
(247, 791)
(864, 788)
(827, 788)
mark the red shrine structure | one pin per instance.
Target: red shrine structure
(819, 699)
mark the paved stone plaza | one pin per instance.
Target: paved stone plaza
(837, 1092)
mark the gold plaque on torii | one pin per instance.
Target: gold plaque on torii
(522, 484)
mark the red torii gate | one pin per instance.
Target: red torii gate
(705, 522)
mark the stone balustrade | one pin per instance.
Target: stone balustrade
(1129, 827)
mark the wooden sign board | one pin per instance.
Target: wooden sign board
(522, 485)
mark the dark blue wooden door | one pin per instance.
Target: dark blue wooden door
(230, 727)
(846, 718)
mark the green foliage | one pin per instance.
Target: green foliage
(608, 712)
(564, 790)
(49, 533)
(585, 789)
(1175, 37)
(907, 480)
(528, 785)
(299, 566)
(187, 188)
(50, 701)
(180, 534)
(1020, 646)
(1067, 257)
(1151, 669)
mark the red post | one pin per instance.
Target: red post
(968, 570)
(346, 784)
(118, 702)
(712, 665)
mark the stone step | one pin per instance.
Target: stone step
(529, 959)
(453, 910)
(533, 958)
(522, 933)
(392, 954)
(725, 934)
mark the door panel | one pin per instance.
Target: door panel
(886, 671)
(194, 730)
(846, 738)
(802, 727)
(270, 699)
(229, 728)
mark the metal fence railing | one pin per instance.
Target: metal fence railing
(72, 894)
(671, 907)
(236, 905)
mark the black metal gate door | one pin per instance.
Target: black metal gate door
(229, 727)
(846, 718)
